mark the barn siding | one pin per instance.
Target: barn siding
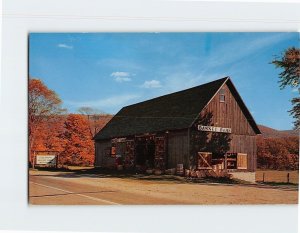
(177, 148)
(228, 114)
(101, 159)
(245, 144)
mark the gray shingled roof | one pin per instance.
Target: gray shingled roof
(169, 112)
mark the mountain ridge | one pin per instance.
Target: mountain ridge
(269, 132)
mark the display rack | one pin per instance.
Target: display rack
(160, 151)
(129, 153)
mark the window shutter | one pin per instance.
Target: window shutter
(241, 161)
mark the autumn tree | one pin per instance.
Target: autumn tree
(278, 153)
(78, 146)
(46, 136)
(264, 157)
(97, 119)
(290, 76)
(44, 105)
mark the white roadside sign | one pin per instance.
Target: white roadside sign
(46, 159)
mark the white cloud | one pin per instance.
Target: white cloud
(295, 90)
(226, 53)
(121, 76)
(241, 48)
(116, 101)
(183, 74)
(122, 79)
(152, 84)
(65, 46)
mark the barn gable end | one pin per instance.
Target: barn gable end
(230, 113)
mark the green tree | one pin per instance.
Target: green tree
(290, 76)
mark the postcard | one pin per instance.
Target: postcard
(163, 118)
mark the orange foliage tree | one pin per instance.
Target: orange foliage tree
(46, 136)
(78, 147)
(278, 153)
(50, 129)
(44, 106)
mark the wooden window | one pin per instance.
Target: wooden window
(231, 160)
(241, 161)
(222, 95)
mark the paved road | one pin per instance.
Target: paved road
(52, 190)
(67, 188)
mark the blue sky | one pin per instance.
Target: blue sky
(107, 71)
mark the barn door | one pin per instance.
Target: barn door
(241, 161)
(204, 160)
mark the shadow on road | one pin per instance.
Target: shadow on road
(133, 175)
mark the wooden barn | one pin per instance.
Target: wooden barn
(204, 127)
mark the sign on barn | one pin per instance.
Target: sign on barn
(115, 140)
(214, 129)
